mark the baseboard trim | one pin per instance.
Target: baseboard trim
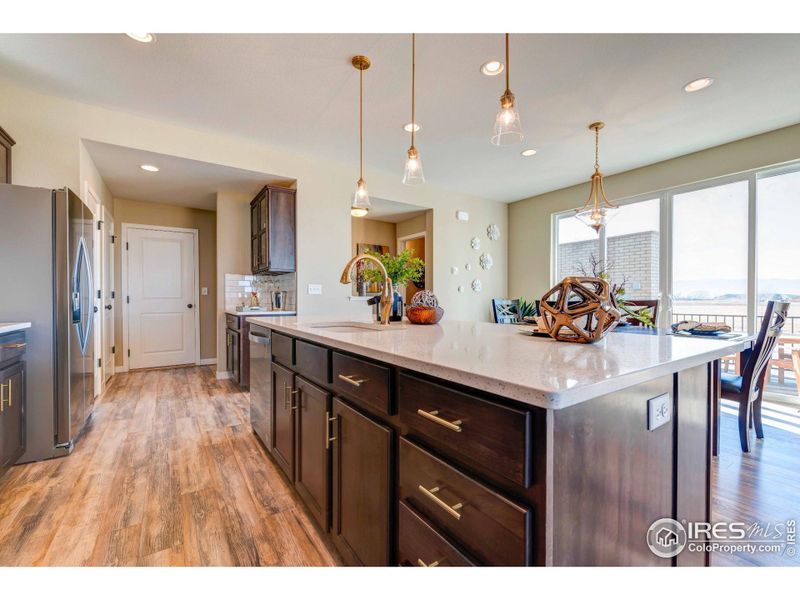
(223, 375)
(120, 369)
(206, 361)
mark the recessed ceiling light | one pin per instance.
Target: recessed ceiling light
(528, 152)
(151, 168)
(145, 38)
(409, 127)
(492, 68)
(698, 84)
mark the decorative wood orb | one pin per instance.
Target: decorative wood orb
(579, 309)
(424, 315)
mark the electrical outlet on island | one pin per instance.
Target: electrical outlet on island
(315, 289)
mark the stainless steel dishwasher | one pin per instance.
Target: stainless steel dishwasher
(260, 382)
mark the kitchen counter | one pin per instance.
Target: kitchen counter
(11, 327)
(261, 313)
(504, 360)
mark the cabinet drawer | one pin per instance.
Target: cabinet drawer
(232, 321)
(312, 361)
(283, 349)
(420, 545)
(489, 526)
(363, 381)
(12, 347)
(468, 428)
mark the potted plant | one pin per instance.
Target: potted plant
(598, 268)
(402, 268)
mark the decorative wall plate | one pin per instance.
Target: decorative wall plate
(477, 286)
(493, 231)
(454, 270)
(475, 243)
(486, 261)
(468, 267)
(461, 288)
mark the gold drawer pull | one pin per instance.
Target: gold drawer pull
(434, 416)
(351, 379)
(14, 346)
(421, 563)
(451, 510)
(329, 429)
(3, 400)
(287, 397)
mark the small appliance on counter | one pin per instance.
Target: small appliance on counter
(278, 300)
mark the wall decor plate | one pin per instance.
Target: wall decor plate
(468, 267)
(454, 270)
(460, 288)
(475, 243)
(477, 286)
(493, 232)
(486, 261)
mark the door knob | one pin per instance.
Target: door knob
(109, 307)
(95, 309)
(190, 306)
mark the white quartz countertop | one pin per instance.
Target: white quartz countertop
(503, 360)
(260, 313)
(9, 327)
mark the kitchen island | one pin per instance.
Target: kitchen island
(475, 443)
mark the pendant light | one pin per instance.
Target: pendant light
(507, 128)
(413, 175)
(360, 206)
(597, 211)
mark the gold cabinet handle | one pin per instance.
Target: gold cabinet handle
(435, 563)
(352, 380)
(329, 429)
(14, 346)
(288, 392)
(450, 510)
(3, 387)
(433, 415)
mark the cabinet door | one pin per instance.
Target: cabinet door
(281, 228)
(12, 414)
(254, 239)
(362, 463)
(236, 357)
(312, 467)
(283, 401)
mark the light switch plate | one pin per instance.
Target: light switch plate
(659, 411)
(204, 291)
(462, 215)
(315, 289)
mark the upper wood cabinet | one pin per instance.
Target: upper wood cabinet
(6, 142)
(272, 231)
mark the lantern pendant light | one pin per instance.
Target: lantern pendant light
(360, 205)
(507, 128)
(413, 175)
(597, 211)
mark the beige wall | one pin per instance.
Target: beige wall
(530, 228)
(49, 131)
(168, 215)
(369, 231)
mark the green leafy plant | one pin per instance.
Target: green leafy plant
(526, 309)
(401, 269)
(598, 268)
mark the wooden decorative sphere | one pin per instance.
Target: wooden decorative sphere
(579, 309)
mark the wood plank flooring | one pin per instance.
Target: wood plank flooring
(168, 473)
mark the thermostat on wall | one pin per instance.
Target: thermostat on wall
(462, 215)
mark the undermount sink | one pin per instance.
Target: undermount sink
(354, 326)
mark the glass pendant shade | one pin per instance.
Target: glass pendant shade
(413, 175)
(361, 205)
(597, 212)
(507, 126)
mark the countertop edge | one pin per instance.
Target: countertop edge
(12, 327)
(539, 398)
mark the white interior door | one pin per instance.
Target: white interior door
(109, 295)
(95, 250)
(161, 294)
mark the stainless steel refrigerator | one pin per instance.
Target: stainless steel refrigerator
(46, 245)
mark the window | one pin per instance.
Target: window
(577, 244)
(632, 249)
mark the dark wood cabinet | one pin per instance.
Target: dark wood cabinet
(233, 361)
(273, 231)
(6, 141)
(283, 425)
(362, 488)
(12, 399)
(312, 457)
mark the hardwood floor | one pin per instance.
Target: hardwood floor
(762, 485)
(168, 473)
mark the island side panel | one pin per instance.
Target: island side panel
(611, 478)
(695, 397)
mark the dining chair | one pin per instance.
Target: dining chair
(506, 310)
(747, 389)
(642, 304)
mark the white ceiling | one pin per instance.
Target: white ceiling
(179, 181)
(300, 92)
(391, 211)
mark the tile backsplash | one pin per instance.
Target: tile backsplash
(238, 289)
